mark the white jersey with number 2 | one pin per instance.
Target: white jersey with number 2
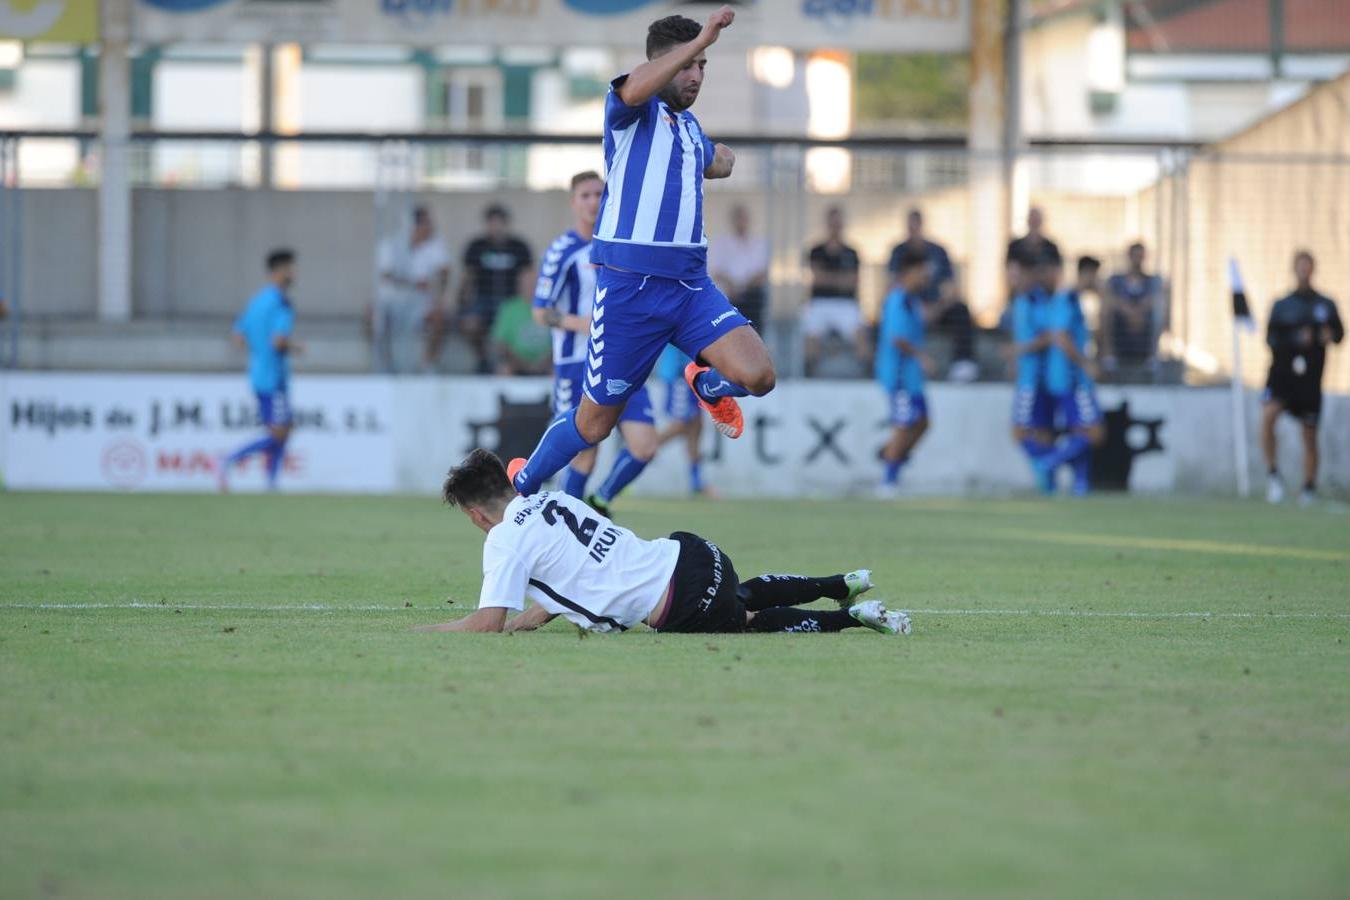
(574, 562)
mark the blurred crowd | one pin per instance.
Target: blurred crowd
(484, 298)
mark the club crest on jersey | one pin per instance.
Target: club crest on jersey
(616, 386)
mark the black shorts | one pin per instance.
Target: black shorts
(705, 598)
(1300, 397)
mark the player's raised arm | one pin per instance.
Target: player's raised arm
(650, 78)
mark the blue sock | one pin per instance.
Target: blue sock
(892, 472)
(1069, 448)
(712, 386)
(276, 454)
(1036, 452)
(626, 468)
(261, 445)
(560, 443)
(1034, 449)
(574, 482)
(1082, 472)
(696, 477)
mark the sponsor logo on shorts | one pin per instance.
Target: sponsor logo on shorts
(616, 386)
(711, 593)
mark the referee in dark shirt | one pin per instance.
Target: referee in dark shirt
(1300, 328)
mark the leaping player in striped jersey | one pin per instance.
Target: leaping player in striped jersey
(652, 287)
(562, 300)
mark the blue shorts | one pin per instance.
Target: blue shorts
(681, 404)
(1078, 409)
(908, 408)
(567, 395)
(1032, 408)
(633, 319)
(274, 408)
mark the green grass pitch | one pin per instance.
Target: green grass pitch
(1058, 725)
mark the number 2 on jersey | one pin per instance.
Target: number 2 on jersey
(585, 531)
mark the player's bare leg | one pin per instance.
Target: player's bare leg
(1310, 464)
(1270, 416)
(595, 422)
(741, 357)
(735, 365)
(903, 440)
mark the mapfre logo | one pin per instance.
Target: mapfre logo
(124, 464)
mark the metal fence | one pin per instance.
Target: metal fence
(206, 207)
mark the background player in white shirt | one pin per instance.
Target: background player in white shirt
(573, 562)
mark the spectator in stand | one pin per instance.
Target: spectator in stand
(1034, 244)
(739, 264)
(520, 345)
(833, 307)
(414, 268)
(497, 266)
(1134, 307)
(941, 305)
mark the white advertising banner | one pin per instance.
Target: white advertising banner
(878, 25)
(807, 439)
(168, 432)
(821, 439)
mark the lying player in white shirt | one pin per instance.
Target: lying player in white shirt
(573, 562)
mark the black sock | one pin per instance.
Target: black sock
(789, 618)
(1310, 487)
(789, 590)
(1273, 472)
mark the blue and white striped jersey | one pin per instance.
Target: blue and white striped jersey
(567, 283)
(651, 214)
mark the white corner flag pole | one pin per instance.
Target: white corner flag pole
(1242, 321)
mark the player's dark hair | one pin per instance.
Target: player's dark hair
(1137, 245)
(1304, 254)
(582, 177)
(911, 258)
(497, 211)
(479, 479)
(421, 215)
(668, 32)
(1087, 264)
(282, 256)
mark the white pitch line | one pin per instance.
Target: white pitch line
(224, 607)
(974, 613)
(1126, 614)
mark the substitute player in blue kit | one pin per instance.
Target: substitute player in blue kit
(653, 287)
(1069, 381)
(1033, 413)
(900, 365)
(264, 330)
(563, 298)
